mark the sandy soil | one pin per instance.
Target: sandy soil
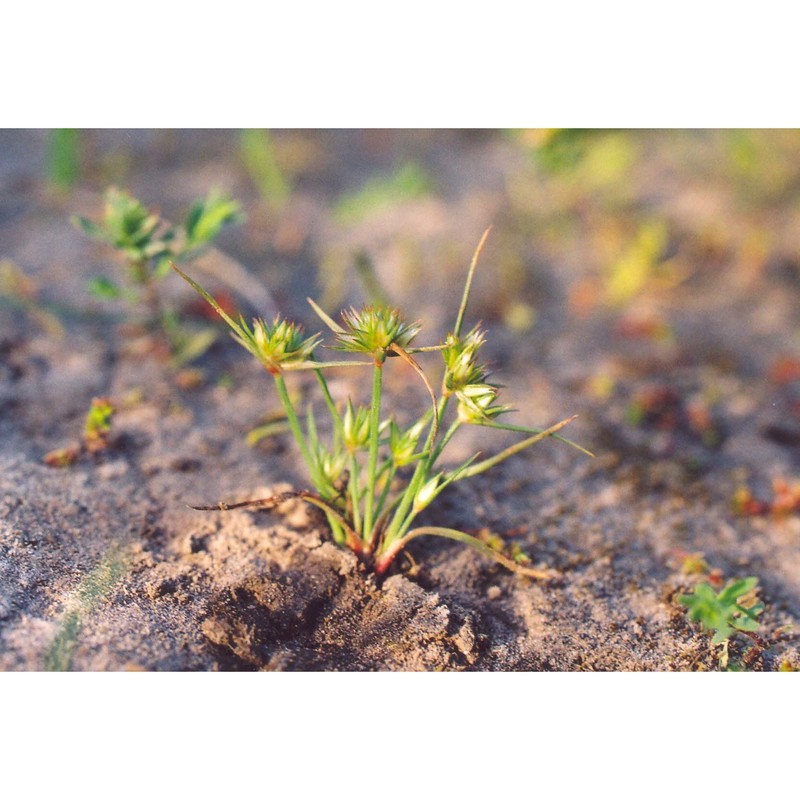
(103, 566)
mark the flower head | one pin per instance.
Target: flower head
(403, 444)
(355, 427)
(461, 361)
(278, 345)
(475, 403)
(374, 330)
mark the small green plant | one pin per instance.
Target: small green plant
(148, 244)
(96, 435)
(261, 161)
(407, 182)
(373, 476)
(20, 292)
(734, 608)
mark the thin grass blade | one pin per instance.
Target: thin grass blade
(481, 547)
(462, 310)
(332, 324)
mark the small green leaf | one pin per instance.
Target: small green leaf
(193, 346)
(104, 288)
(89, 228)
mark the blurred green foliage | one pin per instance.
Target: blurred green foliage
(734, 608)
(148, 244)
(63, 158)
(261, 162)
(407, 182)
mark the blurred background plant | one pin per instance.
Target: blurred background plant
(63, 158)
(261, 162)
(147, 244)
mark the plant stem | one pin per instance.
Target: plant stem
(385, 492)
(336, 526)
(439, 449)
(355, 494)
(297, 431)
(372, 463)
(417, 479)
(326, 393)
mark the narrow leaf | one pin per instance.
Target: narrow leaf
(468, 286)
(522, 429)
(214, 304)
(334, 326)
(481, 547)
(482, 466)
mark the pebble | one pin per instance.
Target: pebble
(112, 470)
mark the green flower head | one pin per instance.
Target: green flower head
(276, 346)
(374, 330)
(355, 427)
(403, 444)
(460, 358)
(475, 403)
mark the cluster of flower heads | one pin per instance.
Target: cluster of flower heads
(466, 378)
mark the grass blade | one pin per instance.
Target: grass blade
(468, 285)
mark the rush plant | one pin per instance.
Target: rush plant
(374, 475)
(147, 245)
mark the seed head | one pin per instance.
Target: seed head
(475, 403)
(403, 444)
(331, 464)
(355, 425)
(278, 345)
(374, 330)
(427, 493)
(461, 365)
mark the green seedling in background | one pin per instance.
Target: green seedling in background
(373, 475)
(148, 244)
(21, 292)
(91, 592)
(63, 158)
(407, 182)
(261, 162)
(96, 435)
(734, 608)
(638, 264)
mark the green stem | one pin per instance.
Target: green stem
(326, 393)
(297, 431)
(372, 463)
(385, 492)
(439, 449)
(355, 494)
(417, 479)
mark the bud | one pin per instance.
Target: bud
(427, 493)
(355, 425)
(475, 403)
(403, 444)
(332, 465)
(460, 358)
